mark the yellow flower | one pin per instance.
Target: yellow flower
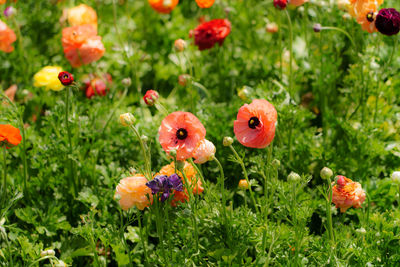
(48, 78)
(81, 15)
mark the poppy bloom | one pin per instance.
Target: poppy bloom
(9, 136)
(192, 178)
(95, 85)
(82, 14)
(365, 11)
(47, 77)
(66, 78)
(163, 6)
(132, 191)
(207, 34)
(346, 194)
(7, 37)
(280, 4)
(165, 185)
(297, 2)
(181, 131)
(150, 97)
(204, 151)
(255, 124)
(82, 45)
(205, 3)
(388, 21)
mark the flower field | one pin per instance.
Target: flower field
(199, 133)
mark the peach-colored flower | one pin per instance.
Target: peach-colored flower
(163, 6)
(10, 92)
(7, 37)
(346, 194)
(192, 177)
(9, 136)
(243, 184)
(255, 124)
(82, 45)
(365, 12)
(181, 131)
(82, 14)
(297, 2)
(132, 191)
(204, 151)
(205, 3)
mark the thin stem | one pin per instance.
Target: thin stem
(4, 173)
(342, 31)
(72, 177)
(147, 162)
(239, 159)
(329, 213)
(222, 178)
(203, 181)
(142, 237)
(21, 123)
(291, 54)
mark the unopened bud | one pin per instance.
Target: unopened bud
(126, 82)
(172, 153)
(243, 184)
(227, 141)
(272, 27)
(276, 163)
(361, 231)
(294, 177)
(326, 173)
(132, 171)
(49, 252)
(317, 27)
(144, 138)
(183, 79)
(126, 119)
(396, 177)
(180, 164)
(9, 11)
(179, 45)
(150, 97)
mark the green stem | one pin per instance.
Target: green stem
(72, 176)
(4, 173)
(147, 162)
(329, 213)
(342, 31)
(142, 237)
(203, 181)
(239, 159)
(222, 178)
(21, 123)
(291, 54)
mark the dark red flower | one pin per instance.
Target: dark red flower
(207, 34)
(150, 97)
(66, 78)
(280, 4)
(388, 21)
(97, 86)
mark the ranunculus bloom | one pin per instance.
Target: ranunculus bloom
(388, 21)
(207, 34)
(297, 2)
(150, 97)
(179, 45)
(205, 3)
(48, 78)
(95, 85)
(7, 37)
(9, 136)
(204, 151)
(163, 6)
(133, 191)
(193, 180)
(255, 124)
(82, 45)
(243, 184)
(81, 15)
(346, 194)
(66, 78)
(281, 4)
(181, 131)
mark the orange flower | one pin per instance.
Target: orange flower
(297, 2)
(181, 131)
(243, 184)
(191, 175)
(205, 3)
(163, 6)
(9, 136)
(82, 14)
(365, 12)
(133, 191)
(204, 151)
(82, 45)
(255, 124)
(346, 194)
(7, 37)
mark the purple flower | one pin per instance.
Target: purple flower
(164, 185)
(388, 21)
(9, 11)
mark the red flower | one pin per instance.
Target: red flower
(150, 97)
(66, 78)
(209, 33)
(97, 86)
(255, 124)
(9, 136)
(388, 21)
(280, 4)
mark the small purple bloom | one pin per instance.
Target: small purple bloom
(388, 21)
(9, 11)
(164, 185)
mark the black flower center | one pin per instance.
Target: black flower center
(181, 134)
(66, 76)
(370, 16)
(254, 122)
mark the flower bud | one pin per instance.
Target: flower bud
(244, 93)
(276, 163)
(293, 177)
(172, 153)
(60, 263)
(179, 45)
(126, 82)
(272, 27)
(49, 252)
(361, 231)
(132, 171)
(180, 164)
(243, 184)
(340, 180)
(150, 97)
(9, 11)
(183, 79)
(326, 173)
(317, 27)
(126, 119)
(144, 138)
(227, 141)
(396, 177)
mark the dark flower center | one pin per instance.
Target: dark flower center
(181, 134)
(370, 16)
(254, 122)
(65, 76)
